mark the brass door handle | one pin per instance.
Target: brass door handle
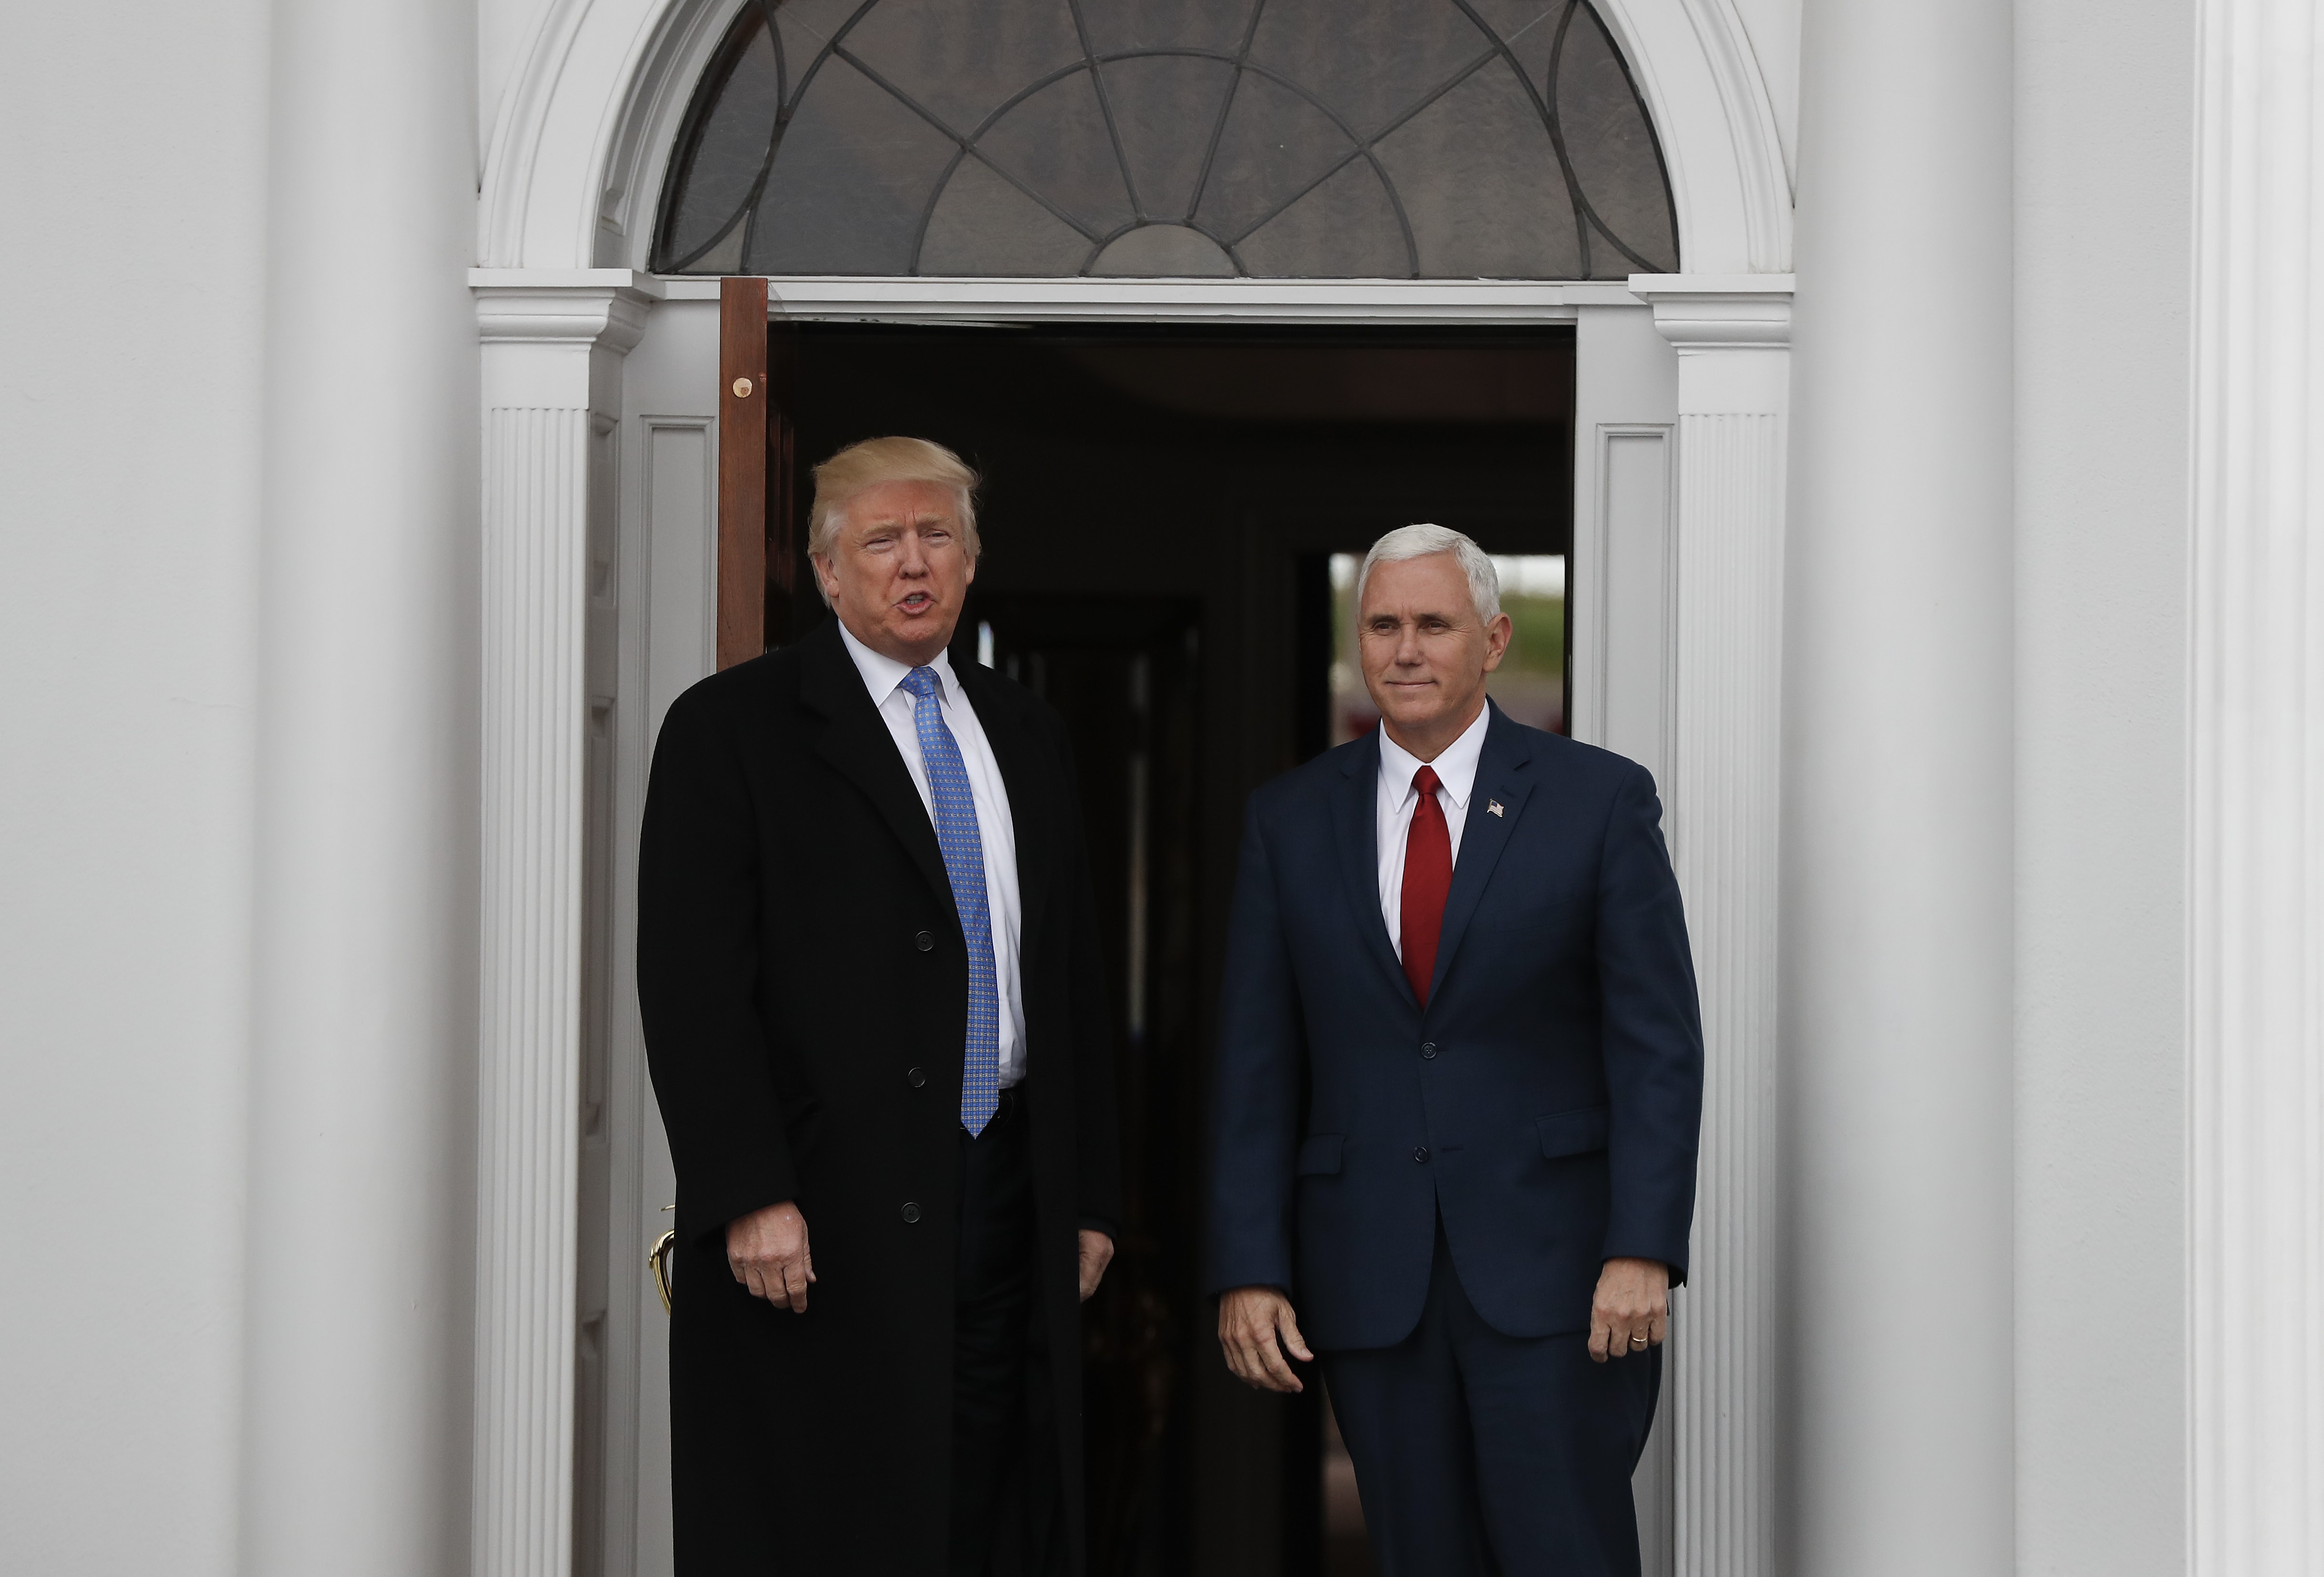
(658, 1261)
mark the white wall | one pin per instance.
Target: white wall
(237, 791)
(2105, 103)
(182, 183)
(132, 186)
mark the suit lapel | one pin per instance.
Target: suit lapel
(1355, 823)
(1030, 815)
(1501, 780)
(860, 748)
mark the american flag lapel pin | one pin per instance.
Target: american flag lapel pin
(1493, 807)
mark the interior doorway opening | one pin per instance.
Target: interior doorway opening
(1168, 517)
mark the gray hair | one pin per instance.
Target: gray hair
(1421, 541)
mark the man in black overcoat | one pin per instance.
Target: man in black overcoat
(877, 1025)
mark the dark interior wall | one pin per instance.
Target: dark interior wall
(1156, 462)
(1156, 509)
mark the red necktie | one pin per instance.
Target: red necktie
(1427, 879)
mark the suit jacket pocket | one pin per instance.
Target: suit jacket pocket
(1319, 1154)
(1573, 1133)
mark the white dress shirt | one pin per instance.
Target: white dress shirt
(1456, 779)
(884, 678)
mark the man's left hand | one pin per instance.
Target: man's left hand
(1631, 1310)
(1097, 1253)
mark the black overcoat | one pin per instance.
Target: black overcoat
(804, 982)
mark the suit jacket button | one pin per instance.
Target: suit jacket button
(911, 1212)
(1429, 1049)
(924, 942)
(1421, 1155)
(918, 1076)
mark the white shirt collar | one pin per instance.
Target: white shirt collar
(1456, 766)
(883, 674)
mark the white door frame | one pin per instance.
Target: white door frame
(1682, 385)
(1693, 450)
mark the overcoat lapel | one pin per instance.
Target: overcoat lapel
(1501, 780)
(1010, 733)
(859, 746)
(1355, 822)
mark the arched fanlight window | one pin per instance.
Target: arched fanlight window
(1307, 139)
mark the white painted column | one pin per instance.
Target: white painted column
(355, 1394)
(552, 349)
(1896, 1314)
(1733, 337)
(2257, 821)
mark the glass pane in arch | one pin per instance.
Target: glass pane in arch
(1302, 139)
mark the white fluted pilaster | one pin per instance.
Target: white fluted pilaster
(2258, 823)
(1734, 384)
(551, 364)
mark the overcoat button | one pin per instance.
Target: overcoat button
(918, 1077)
(911, 1213)
(924, 942)
(1429, 1049)
(1421, 1155)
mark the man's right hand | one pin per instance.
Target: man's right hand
(766, 1251)
(1255, 1327)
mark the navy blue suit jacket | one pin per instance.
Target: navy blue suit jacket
(1548, 1100)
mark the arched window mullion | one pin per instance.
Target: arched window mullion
(786, 108)
(1586, 215)
(1364, 149)
(1226, 108)
(1106, 240)
(963, 146)
(1349, 131)
(680, 265)
(936, 196)
(783, 103)
(968, 144)
(1662, 164)
(795, 78)
(689, 144)
(1119, 231)
(1019, 97)
(1573, 192)
(1403, 223)
(1105, 108)
(831, 46)
(1277, 211)
(782, 56)
(1548, 115)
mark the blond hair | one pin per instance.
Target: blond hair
(867, 465)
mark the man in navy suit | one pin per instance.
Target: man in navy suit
(1462, 938)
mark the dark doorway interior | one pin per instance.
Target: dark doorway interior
(1158, 513)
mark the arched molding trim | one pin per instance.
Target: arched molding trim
(1693, 65)
(646, 140)
(587, 125)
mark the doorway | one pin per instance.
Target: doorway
(1164, 512)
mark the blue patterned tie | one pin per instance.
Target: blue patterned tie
(963, 858)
